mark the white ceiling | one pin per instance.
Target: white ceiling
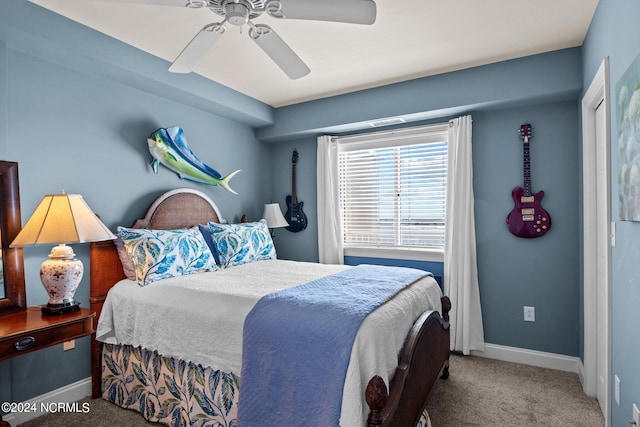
(410, 39)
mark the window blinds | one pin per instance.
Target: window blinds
(394, 196)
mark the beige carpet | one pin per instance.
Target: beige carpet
(479, 392)
(486, 392)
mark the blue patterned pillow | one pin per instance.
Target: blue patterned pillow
(160, 254)
(238, 244)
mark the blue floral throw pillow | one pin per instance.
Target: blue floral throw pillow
(160, 254)
(238, 244)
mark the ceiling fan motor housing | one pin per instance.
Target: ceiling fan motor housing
(237, 13)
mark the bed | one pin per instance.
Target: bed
(196, 382)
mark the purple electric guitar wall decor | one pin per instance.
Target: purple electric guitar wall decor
(527, 219)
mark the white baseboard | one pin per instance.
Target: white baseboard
(525, 356)
(581, 372)
(67, 394)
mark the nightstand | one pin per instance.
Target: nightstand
(30, 330)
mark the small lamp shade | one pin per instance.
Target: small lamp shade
(273, 215)
(60, 219)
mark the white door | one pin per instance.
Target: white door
(602, 253)
(596, 237)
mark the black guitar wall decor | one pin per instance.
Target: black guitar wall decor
(295, 216)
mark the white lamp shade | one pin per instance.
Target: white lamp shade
(273, 215)
(62, 218)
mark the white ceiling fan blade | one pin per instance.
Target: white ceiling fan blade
(349, 11)
(279, 51)
(197, 48)
(176, 3)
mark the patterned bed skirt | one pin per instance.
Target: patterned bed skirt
(171, 391)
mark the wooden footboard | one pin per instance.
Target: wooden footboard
(425, 356)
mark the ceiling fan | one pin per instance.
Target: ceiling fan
(241, 12)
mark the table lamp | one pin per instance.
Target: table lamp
(273, 215)
(61, 219)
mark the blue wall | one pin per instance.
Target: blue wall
(85, 103)
(513, 272)
(622, 47)
(69, 126)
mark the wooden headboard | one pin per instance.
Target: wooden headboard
(179, 208)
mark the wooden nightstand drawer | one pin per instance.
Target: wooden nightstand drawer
(40, 339)
(30, 330)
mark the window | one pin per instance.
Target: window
(393, 188)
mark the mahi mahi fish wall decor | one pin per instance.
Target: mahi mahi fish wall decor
(169, 147)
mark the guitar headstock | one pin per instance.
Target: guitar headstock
(526, 132)
(294, 157)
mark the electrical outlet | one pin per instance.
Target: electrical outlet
(529, 314)
(69, 345)
(617, 390)
(636, 415)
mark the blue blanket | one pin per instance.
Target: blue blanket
(297, 344)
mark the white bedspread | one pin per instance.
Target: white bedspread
(200, 318)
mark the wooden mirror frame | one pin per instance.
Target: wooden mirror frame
(15, 298)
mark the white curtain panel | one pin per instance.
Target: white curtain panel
(460, 268)
(330, 236)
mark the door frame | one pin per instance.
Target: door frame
(597, 93)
